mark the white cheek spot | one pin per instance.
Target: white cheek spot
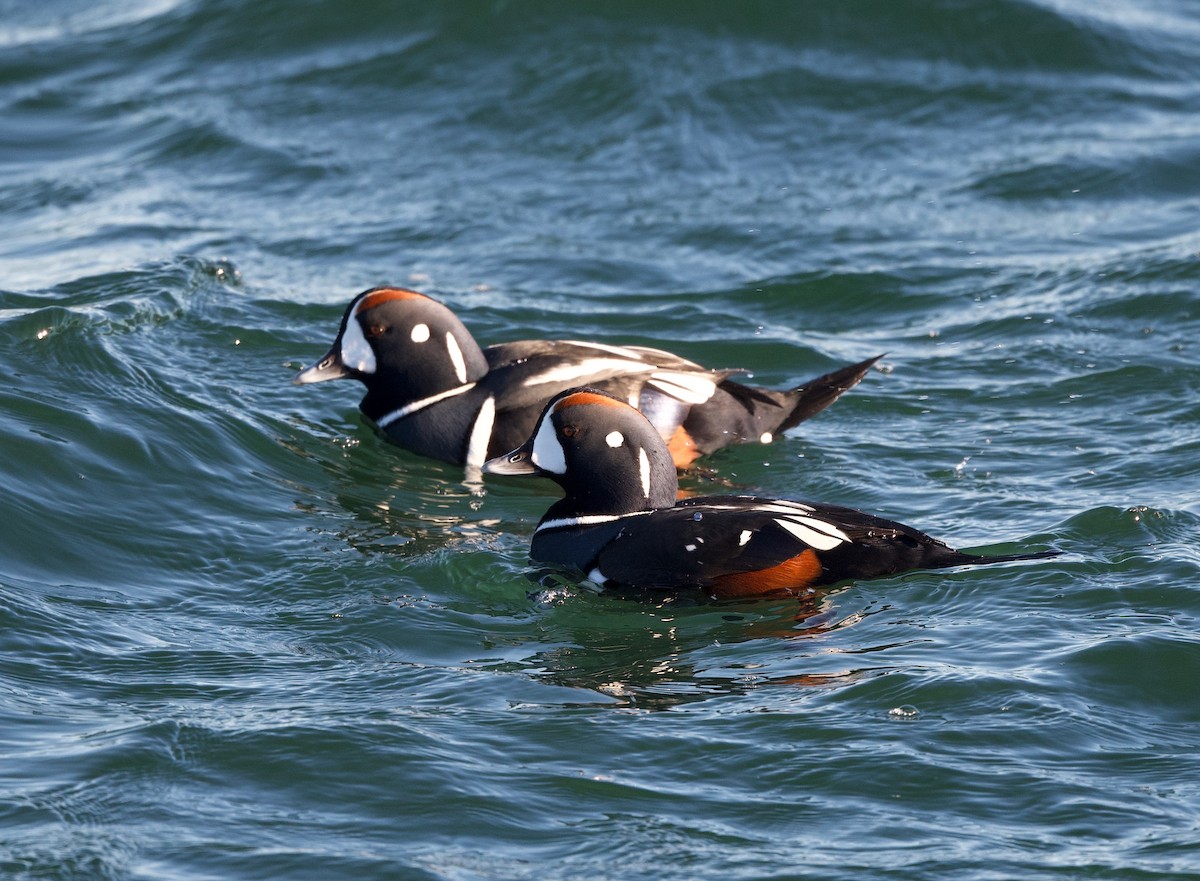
(356, 351)
(456, 357)
(614, 438)
(765, 437)
(547, 450)
(689, 548)
(644, 470)
(420, 333)
(744, 537)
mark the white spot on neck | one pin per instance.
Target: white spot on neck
(357, 353)
(547, 449)
(614, 439)
(420, 333)
(456, 357)
(644, 471)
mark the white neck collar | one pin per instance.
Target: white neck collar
(586, 520)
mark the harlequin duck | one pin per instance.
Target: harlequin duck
(433, 390)
(621, 526)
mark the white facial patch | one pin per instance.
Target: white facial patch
(420, 333)
(614, 439)
(644, 471)
(456, 357)
(356, 351)
(547, 450)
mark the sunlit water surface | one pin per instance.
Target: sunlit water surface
(242, 637)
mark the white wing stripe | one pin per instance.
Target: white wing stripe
(568, 372)
(783, 506)
(811, 537)
(687, 387)
(619, 351)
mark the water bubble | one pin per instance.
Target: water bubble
(906, 711)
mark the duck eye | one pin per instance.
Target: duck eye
(376, 329)
(569, 431)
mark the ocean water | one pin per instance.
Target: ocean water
(242, 637)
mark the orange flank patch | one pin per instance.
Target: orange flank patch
(382, 295)
(794, 573)
(580, 398)
(683, 448)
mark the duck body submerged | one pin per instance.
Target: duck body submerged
(620, 525)
(432, 389)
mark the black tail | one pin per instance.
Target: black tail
(766, 411)
(815, 395)
(959, 558)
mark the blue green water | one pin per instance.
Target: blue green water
(242, 637)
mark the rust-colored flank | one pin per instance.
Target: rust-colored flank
(683, 448)
(795, 573)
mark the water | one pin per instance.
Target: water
(242, 637)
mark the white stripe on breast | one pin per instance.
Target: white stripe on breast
(587, 520)
(388, 418)
(481, 434)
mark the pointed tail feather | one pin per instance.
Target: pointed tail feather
(815, 395)
(960, 558)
